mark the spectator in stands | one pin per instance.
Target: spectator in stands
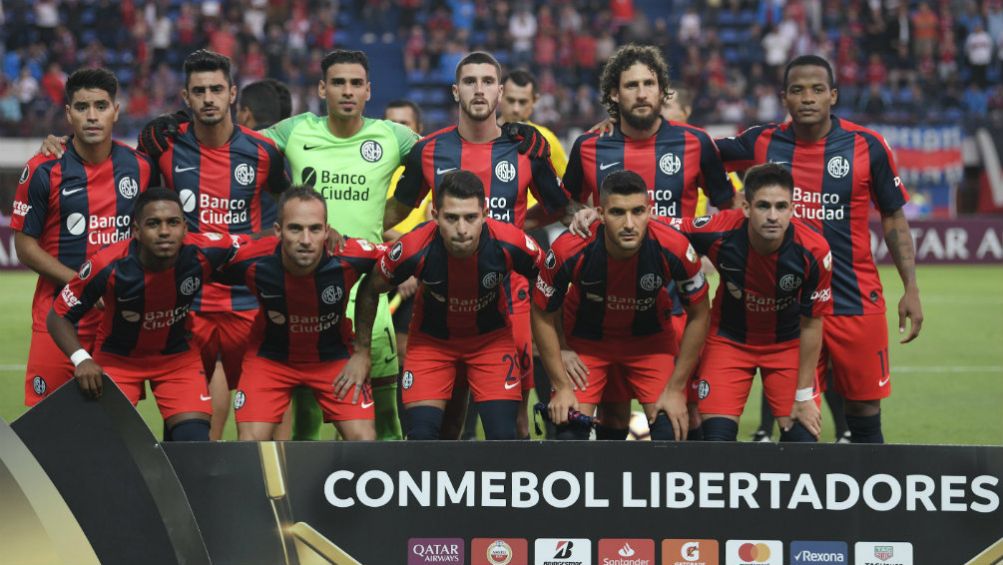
(522, 28)
(925, 30)
(979, 51)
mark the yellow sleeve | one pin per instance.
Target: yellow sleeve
(418, 215)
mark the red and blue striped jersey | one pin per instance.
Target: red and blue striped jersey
(674, 163)
(461, 297)
(301, 318)
(761, 298)
(74, 208)
(612, 298)
(221, 190)
(506, 174)
(835, 181)
(145, 312)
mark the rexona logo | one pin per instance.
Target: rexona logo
(690, 552)
(499, 551)
(626, 552)
(754, 552)
(882, 553)
(562, 551)
(435, 550)
(812, 552)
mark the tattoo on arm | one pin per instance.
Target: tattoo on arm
(900, 245)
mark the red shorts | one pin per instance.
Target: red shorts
(616, 387)
(178, 382)
(267, 386)
(489, 360)
(522, 334)
(644, 366)
(728, 367)
(223, 336)
(48, 367)
(857, 348)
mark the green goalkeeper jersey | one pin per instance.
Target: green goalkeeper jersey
(352, 173)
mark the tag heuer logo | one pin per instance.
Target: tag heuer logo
(838, 167)
(884, 552)
(371, 151)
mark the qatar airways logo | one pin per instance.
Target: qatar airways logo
(816, 205)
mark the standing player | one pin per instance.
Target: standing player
(67, 208)
(302, 337)
(519, 96)
(477, 144)
(775, 288)
(466, 262)
(148, 284)
(350, 160)
(616, 312)
(839, 169)
(674, 159)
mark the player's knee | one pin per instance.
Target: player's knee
(423, 422)
(797, 434)
(611, 432)
(573, 431)
(865, 429)
(719, 429)
(661, 428)
(195, 429)
(498, 418)
(695, 433)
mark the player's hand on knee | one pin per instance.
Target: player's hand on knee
(604, 127)
(673, 403)
(52, 146)
(576, 368)
(582, 220)
(807, 413)
(354, 374)
(910, 308)
(88, 375)
(157, 135)
(561, 401)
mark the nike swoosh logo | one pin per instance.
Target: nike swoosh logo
(510, 386)
(309, 147)
(591, 283)
(884, 381)
(128, 299)
(367, 405)
(263, 295)
(183, 169)
(444, 171)
(67, 192)
(724, 267)
(204, 397)
(604, 166)
(430, 283)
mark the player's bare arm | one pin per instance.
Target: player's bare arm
(810, 345)
(356, 371)
(577, 370)
(903, 252)
(87, 372)
(581, 221)
(394, 213)
(673, 398)
(548, 343)
(54, 146)
(37, 259)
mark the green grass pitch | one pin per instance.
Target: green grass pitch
(947, 385)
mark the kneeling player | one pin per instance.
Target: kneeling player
(301, 335)
(776, 275)
(464, 261)
(148, 284)
(617, 313)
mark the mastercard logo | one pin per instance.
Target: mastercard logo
(754, 552)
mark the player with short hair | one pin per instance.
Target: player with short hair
(148, 283)
(350, 160)
(839, 169)
(615, 315)
(68, 207)
(301, 336)
(519, 97)
(478, 144)
(675, 160)
(262, 104)
(776, 276)
(466, 262)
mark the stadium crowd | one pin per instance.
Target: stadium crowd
(894, 59)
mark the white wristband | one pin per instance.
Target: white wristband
(803, 394)
(79, 356)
